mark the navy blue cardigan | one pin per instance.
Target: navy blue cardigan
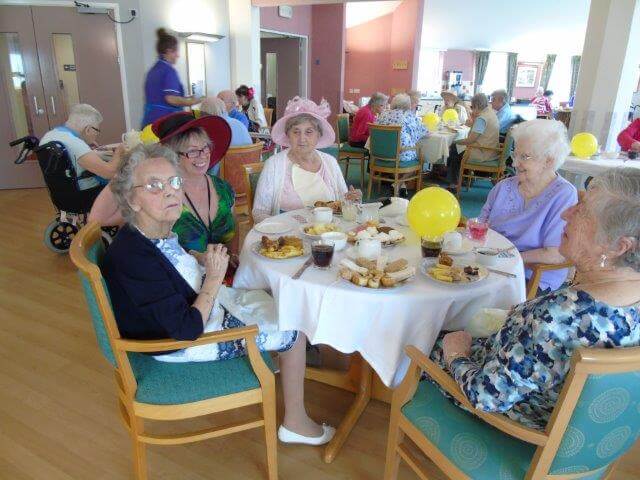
(150, 299)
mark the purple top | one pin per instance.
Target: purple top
(534, 225)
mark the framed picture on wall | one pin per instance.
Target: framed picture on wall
(526, 76)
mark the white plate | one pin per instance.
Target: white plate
(467, 247)
(269, 227)
(255, 248)
(428, 263)
(381, 289)
(316, 237)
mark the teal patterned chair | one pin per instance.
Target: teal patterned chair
(346, 152)
(384, 159)
(148, 389)
(595, 421)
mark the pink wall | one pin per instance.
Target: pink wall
(326, 68)
(525, 92)
(461, 61)
(372, 48)
(300, 22)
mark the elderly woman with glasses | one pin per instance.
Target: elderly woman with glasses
(527, 208)
(158, 290)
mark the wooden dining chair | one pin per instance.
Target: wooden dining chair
(384, 159)
(232, 172)
(347, 153)
(494, 168)
(148, 389)
(594, 422)
(537, 270)
(268, 115)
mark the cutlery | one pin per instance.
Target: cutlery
(504, 250)
(306, 265)
(500, 272)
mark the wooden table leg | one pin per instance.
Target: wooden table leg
(363, 396)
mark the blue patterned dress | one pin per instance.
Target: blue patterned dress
(269, 337)
(520, 370)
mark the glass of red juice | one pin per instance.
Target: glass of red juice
(477, 229)
(322, 253)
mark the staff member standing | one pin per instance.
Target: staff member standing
(164, 94)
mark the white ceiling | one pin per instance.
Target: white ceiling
(362, 11)
(523, 26)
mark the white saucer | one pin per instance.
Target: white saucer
(269, 227)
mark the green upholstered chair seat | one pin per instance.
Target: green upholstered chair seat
(346, 148)
(165, 383)
(392, 164)
(490, 163)
(479, 450)
(331, 150)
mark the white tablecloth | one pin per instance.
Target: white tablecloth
(376, 323)
(435, 148)
(577, 170)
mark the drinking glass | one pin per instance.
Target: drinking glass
(431, 247)
(349, 211)
(322, 253)
(477, 229)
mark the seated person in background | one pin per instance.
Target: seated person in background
(158, 290)
(542, 102)
(79, 134)
(359, 132)
(451, 100)
(239, 133)
(500, 104)
(629, 138)
(485, 132)
(521, 369)
(413, 130)
(415, 96)
(527, 208)
(231, 105)
(300, 175)
(252, 108)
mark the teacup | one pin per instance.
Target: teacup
(452, 241)
(322, 215)
(339, 239)
(369, 248)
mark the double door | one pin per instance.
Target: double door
(50, 59)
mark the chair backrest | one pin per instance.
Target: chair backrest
(342, 124)
(232, 170)
(251, 175)
(268, 115)
(597, 416)
(507, 149)
(384, 141)
(87, 251)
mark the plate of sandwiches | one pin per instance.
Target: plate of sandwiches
(336, 206)
(449, 272)
(376, 274)
(281, 248)
(388, 236)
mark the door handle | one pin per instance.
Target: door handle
(39, 111)
(53, 106)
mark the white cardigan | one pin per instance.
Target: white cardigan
(266, 202)
(255, 112)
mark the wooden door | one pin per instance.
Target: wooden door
(21, 96)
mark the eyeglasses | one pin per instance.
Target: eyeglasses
(522, 157)
(96, 129)
(157, 186)
(197, 153)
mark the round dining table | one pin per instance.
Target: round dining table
(435, 146)
(377, 324)
(578, 170)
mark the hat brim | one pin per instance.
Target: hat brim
(217, 129)
(279, 136)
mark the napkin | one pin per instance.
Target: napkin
(486, 322)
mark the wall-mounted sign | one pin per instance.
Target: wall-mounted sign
(285, 11)
(69, 68)
(400, 65)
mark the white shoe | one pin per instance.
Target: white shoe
(287, 436)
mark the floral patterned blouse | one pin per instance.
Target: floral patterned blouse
(193, 234)
(412, 130)
(520, 370)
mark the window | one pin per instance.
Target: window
(196, 70)
(496, 75)
(430, 71)
(560, 81)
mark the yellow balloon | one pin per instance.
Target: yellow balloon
(431, 120)
(584, 144)
(147, 136)
(433, 211)
(450, 115)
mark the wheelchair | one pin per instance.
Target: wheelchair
(72, 204)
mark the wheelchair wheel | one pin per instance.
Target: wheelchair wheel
(59, 235)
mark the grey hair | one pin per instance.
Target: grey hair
(179, 143)
(548, 139)
(479, 101)
(618, 210)
(122, 183)
(414, 95)
(401, 101)
(378, 98)
(83, 115)
(501, 93)
(213, 106)
(303, 117)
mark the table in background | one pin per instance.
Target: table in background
(435, 147)
(577, 170)
(377, 324)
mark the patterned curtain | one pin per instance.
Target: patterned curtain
(575, 69)
(512, 71)
(482, 60)
(546, 70)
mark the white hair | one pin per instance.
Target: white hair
(415, 95)
(618, 210)
(378, 98)
(82, 116)
(213, 106)
(401, 101)
(548, 139)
